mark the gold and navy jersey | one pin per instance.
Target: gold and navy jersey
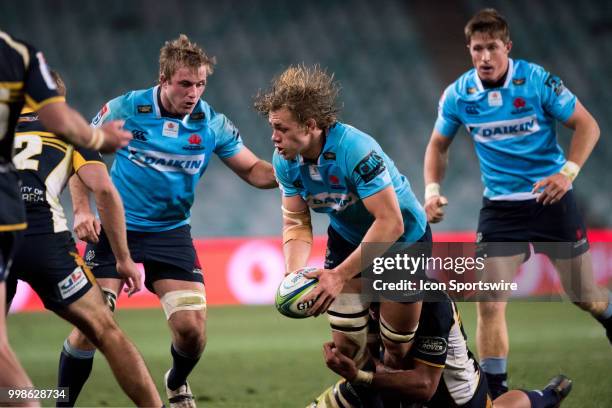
(45, 162)
(440, 341)
(24, 79)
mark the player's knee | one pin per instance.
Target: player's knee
(189, 330)
(111, 298)
(79, 341)
(352, 324)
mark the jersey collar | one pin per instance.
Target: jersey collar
(509, 75)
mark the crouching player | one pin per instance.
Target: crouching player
(443, 371)
(338, 170)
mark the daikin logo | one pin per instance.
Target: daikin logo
(166, 162)
(503, 129)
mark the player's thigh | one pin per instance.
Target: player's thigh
(57, 273)
(578, 280)
(184, 303)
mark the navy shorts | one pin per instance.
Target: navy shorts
(165, 255)
(52, 266)
(556, 230)
(338, 248)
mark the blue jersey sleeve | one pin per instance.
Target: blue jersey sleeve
(557, 100)
(365, 162)
(282, 176)
(448, 121)
(118, 108)
(227, 137)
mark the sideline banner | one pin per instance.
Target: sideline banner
(248, 270)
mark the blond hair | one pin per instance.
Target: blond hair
(181, 52)
(488, 21)
(307, 92)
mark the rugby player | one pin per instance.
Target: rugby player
(338, 170)
(24, 79)
(57, 273)
(175, 134)
(444, 372)
(510, 109)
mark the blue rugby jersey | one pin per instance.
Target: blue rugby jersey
(351, 167)
(513, 127)
(157, 172)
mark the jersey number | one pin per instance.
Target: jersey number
(33, 146)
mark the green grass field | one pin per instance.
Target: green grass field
(257, 358)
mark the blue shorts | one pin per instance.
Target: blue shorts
(556, 230)
(165, 255)
(52, 266)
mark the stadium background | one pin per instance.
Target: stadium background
(393, 59)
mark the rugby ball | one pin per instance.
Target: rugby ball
(294, 287)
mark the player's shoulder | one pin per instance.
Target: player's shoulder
(346, 138)
(464, 85)
(15, 52)
(529, 72)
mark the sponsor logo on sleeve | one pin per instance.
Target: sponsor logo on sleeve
(71, 284)
(555, 83)
(99, 119)
(434, 346)
(370, 166)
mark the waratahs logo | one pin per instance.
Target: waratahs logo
(195, 141)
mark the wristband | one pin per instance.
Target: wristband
(97, 139)
(363, 378)
(432, 190)
(570, 170)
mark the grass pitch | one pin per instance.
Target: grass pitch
(257, 358)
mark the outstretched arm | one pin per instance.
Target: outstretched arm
(255, 171)
(61, 119)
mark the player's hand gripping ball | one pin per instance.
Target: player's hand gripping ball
(294, 287)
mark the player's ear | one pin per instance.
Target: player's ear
(311, 124)
(508, 46)
(162, 79)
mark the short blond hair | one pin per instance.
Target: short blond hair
(181, 52)
(307, 92)
(488, 21)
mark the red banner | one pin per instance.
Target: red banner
(248, 271)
